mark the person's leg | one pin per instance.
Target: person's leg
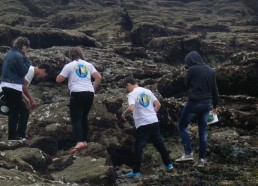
(142, 136)
(23, 119)
(13, 98)
(158, 143)
(186, 116)
(88, 101)
(76, 107)
(202, 123)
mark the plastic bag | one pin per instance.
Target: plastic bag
(212, 118)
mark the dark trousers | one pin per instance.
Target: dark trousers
(13, 99)
(80, 105)
(143, 135)
(24, 114)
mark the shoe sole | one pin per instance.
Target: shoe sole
(198, 166)
(181, 160)
(133, 176)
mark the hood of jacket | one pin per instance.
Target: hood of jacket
(193, 58)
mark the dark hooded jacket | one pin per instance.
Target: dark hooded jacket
(200, 81)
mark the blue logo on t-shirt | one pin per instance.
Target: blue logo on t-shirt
(144, 99)
(81, 70)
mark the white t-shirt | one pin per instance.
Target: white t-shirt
(144, 112)
(12, 85)
(29, 76)
(79, 75)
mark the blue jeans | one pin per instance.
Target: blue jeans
(143, 135)
(199, 112)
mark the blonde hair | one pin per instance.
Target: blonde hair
(76, 53)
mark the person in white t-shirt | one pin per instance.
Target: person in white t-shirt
(79, 73)
(41, 71)
(144, 106)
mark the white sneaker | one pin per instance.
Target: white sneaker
(200, 163)
(186, 157)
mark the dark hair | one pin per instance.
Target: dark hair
(76, 53)
(19, 42)
(44, 66)
(130, 80)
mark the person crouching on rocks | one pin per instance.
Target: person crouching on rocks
(144, 106)
(79, 73)
(39, 72)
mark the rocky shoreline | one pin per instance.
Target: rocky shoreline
(146, 39)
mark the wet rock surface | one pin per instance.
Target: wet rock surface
(146, 39)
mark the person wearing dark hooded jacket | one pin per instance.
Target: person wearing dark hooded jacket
(202, 98)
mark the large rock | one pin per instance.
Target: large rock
(143, 33)
(175, 48)
(236, 80)
(231, 80)
(99, 116)
(85, 169)
(33, 156)
(47, 38)
(173, 84)
(238, 118)
(47, 144)
(16, 177)
(56, 131)
(237, 153)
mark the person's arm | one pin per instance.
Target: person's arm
(60, 78)
(188, 78)
(96, 75)
(26, 92)
(27, 101)
(157, 105)
(128, 111)
(63, 74)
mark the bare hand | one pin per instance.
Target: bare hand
(32, 104)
